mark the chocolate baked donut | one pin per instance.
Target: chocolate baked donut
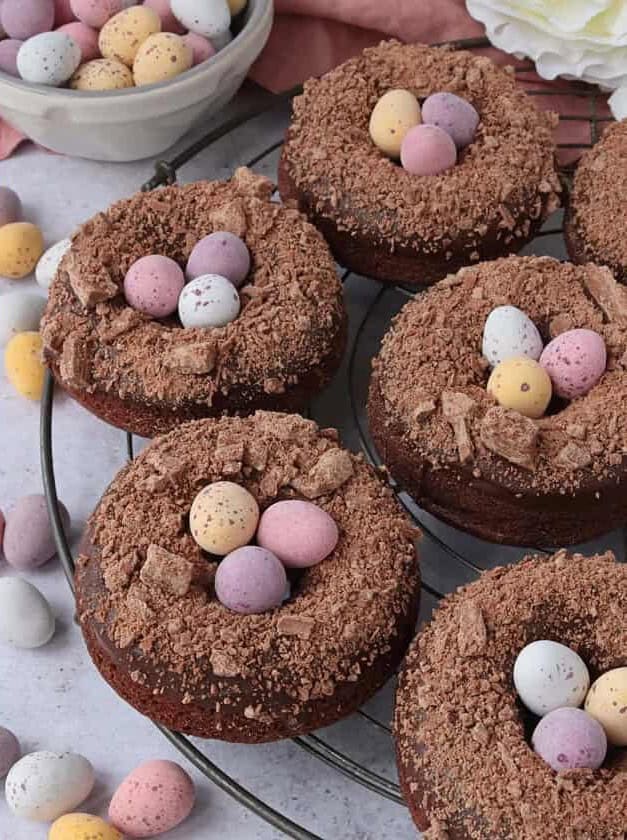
(467, 770)
(596, 217)
(385, 223)
(492, 472)
(148, 375)
(167, 645)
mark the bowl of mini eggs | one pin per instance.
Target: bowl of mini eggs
(123, 80)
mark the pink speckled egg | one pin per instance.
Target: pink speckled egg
(250, 580)
(9, 751)
(153, 285)
(168, 22)
(97, 12)
(452, 114)
(10, 204)
(152, 799)
(575, 361)
(62, 13)
(28, 541)
(427, 150)
(9, 48)
(201, 47)
(220, 253)
(24, 18)
(569, 738)
(300, 533)
(85, 37)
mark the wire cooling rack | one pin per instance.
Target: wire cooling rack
(458, 558)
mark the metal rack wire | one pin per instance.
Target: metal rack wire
(463, 567)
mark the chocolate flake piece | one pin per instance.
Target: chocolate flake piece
(125, 321)
(456, 408)
(89, 288)
(576, 430)
(332, 470)
(75, 364)
(230, 217)
(223, 664)
(560, 324)
(573, 456)
(472, 635)
(198, 358)
(168, 572)
(296, 625)
(248, 182)
(609, 295)
(510, 435)
(424, 407)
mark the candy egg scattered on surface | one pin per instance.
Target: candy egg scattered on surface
(50, 261)
(44, 785)
(202, 49)
(10, 204)
(300, 533)
(607, 703)
(250, 580)
(19, 312)
(509, 332)
(154, 798)
(122, 35)
(22, 19)
(168, 22)
(153, 284)
(9, 49)
(575, 361)
(85, 37)
(97, 12)
(9, 751)
(161, 57)
(62, 13)
(521, 384)
(427, 150)
(102, 74)
(549, 676)
(395, 113)
(452, 114)
(28, 539)
(570, 738)
(208, 301)
(48, 59)
(26, 620)
(223, 517)
(210, 18)
(23, 365)
(21, 246)
(82, 827)
(220, 253)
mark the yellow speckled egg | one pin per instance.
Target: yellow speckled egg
(223, 517)
(521, 384)
(236, 6)
(82, 827)
(394, 114)
(607, 702)
(102, 74)
(122, 36)
(21, 246)
(23, 365)
(161, 57)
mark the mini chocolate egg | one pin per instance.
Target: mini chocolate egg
(223, 517)
(49, 263)
(168, 22)
(250, 580)
(452, 114)
(220, 253)
(210, 18)
(8, 59)
(509, 332)
(21, 246)
(153, 284)
(236, 6)
(44, 785)
(300, 533)
(427, 150)
(23, 365)
(122, 35)
(19, 312)
(102, 74)
(10, 204)
(570, 738)
(521, 384)
(82, 827)
(202, 49)
(392, 117)
(9, 751)
(161, 57)
(607, 703)
(28, 539)
(97, 12)
(549, 675)
(24, 18)
(26, 620)
(152, 799)
(62, 13)
(85, 37)
(48, 59)
(208, 301)
(575, 361)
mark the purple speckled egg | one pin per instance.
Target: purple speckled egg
(97, 12)
(300, 533)
(9, 751)
(220, 253)
(28, 541)
(452, 114)
(62, 13)
(201, 47)
(153, 284)
(570, 738)
(250, 580)
(9, 49)
(168, 22)
(24, 18)
(575, 361)
(10, 204)
(427, 150)
(85, 37)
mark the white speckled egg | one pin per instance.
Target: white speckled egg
(549, 675)
(208, 301)
(48, 59)
(44, 785)
(26, 620)
(509, 332)
(19, 312)
(210, 18)
(49, 262)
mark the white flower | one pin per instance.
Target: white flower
(577, 39)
